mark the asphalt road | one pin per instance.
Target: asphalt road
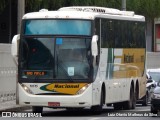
(107, 112)
(140, 113)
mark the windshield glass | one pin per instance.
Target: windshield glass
(155, 76)
(55, 58)
(57, 27)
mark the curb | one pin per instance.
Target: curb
(11, 106)
(15, 109)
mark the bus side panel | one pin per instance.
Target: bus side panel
(133, 63)
(97, 85)
(122, 67)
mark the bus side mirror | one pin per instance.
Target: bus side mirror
(14, 48)
(94, 46)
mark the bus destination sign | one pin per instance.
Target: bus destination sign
(35, 73)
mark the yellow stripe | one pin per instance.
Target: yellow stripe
(65, 88)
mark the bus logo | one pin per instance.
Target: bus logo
(66, 86)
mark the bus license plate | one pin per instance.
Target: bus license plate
(54, 104)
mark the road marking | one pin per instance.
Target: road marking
(144, 110)
(94, 118)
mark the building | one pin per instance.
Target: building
(157, 35)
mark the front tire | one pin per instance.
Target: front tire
(118, 106)
(98, 108)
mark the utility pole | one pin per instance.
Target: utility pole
(21, 11)
(124, 5)
(10, 21)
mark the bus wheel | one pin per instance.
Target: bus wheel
(130, 104)
(98, 108)
(37, 109)
(117, 106)
(134, 100)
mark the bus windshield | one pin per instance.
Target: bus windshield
(55, 58)
(57, 27)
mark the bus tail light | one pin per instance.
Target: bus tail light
(82, 89)
(26, 89)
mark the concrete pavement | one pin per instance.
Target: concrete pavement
(10, 106)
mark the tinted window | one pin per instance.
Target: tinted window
(122, 34)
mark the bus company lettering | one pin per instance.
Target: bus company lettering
(66, 86)
(128, 58)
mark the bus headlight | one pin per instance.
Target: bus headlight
(26, 89)
(82, 89)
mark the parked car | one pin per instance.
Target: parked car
(155, 99)
(150, 85)
(154, 74)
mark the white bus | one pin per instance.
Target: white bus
(79, 57)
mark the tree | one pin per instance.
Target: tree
(3, 4)
(149, 8)
(32, 5)
(36, 5)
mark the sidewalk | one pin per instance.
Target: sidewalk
(10, 106)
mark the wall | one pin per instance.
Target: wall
(7, 74)
(149, 40)
(153, 59)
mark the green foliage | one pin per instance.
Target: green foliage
(152, 8)
(32, 5)
(3, 4)
(113, 3)
(148, 8)
(36, 5)
(102, 3)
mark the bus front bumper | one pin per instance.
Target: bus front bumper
(63, 101)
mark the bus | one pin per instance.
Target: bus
(80, 57)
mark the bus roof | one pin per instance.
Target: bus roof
(85, 12)
(59, 14)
